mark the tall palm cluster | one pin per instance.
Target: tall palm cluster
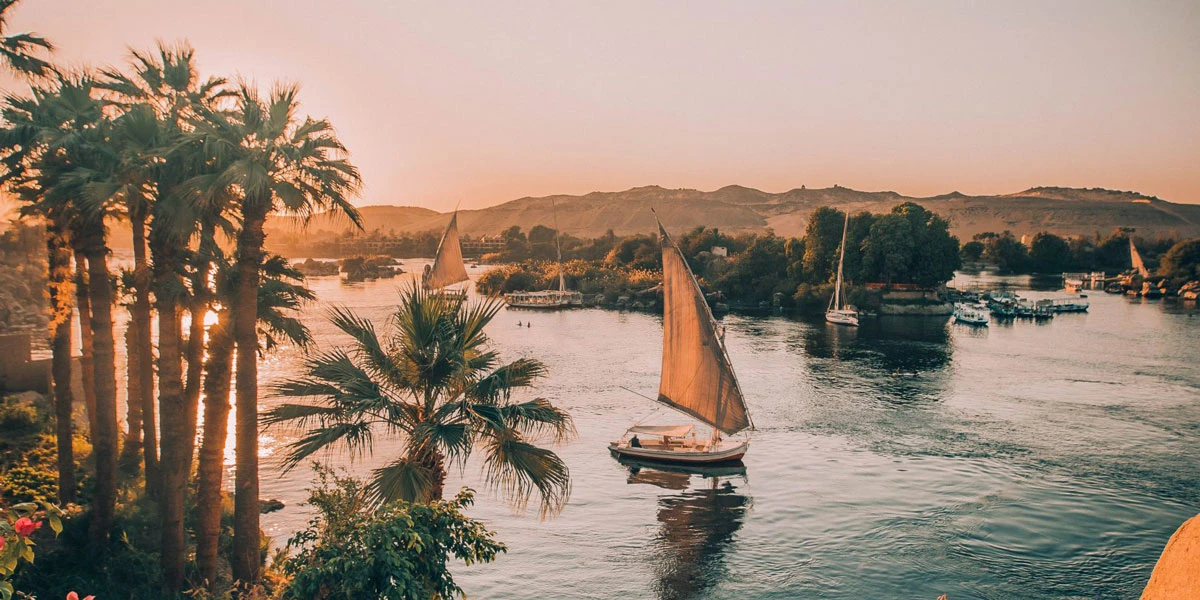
(194, 166)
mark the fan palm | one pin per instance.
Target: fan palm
(21, 141)
(278, 299)
(69, 150)
(17, 50)
(165, 88)
(438, 385)
(274, 162)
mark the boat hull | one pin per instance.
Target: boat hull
(731, 453)
(841, 318)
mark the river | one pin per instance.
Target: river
(909, 457)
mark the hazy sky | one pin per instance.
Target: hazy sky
(485, 102)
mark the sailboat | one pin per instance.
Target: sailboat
(839, 312)
(697, 378)
(447, 268)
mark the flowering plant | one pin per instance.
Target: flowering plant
(19, 523)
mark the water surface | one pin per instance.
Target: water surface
(904, 459)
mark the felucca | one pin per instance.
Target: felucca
(447, 268)
(839, 312)
(697, 378)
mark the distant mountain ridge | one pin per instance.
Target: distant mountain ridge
(1066, 211)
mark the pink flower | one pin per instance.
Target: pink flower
(26, 526)
(74, 596)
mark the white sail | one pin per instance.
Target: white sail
(697, 378)
(836, 303)
(448, 267)
(1138, 265)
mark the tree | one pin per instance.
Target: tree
(1182, 261)
(822, 237)
(972, 250)
(352, 549)
(17, 51)
(161, 98)
(439, 385)
(23, 139)
(278, 298)
(1049, 253)
(888, 250)
(271, 161)
(1009, 254)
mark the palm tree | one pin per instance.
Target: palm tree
(275, 162)
(22, 139)
(166, 84)
(438, 385)
(77, 154)
(17, 50)
(277, 301)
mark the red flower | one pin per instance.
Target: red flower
(74, 596)
(26, 526)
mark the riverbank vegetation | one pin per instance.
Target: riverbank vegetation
(1050, 254)
(908, 245)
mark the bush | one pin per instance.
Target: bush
(353, 549)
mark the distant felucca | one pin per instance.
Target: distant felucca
(839, 311)
(697, 378)
(447, 268)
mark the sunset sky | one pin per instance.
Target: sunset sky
(442, 103)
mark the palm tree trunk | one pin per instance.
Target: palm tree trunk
(437, 465)
(218, 372)
(104, 438)
(85, 335)
(195, 347)
(59, 263)
(174, 466)
(142, 430)
(246, 553)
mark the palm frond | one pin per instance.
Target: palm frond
(517, 468)
(404, 479)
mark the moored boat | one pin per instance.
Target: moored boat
(970, 314)
(839, 311)
(697, 379)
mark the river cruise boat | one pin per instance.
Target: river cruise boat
(546, 299)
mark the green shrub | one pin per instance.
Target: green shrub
(354, 549)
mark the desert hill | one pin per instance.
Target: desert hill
(1061, 210)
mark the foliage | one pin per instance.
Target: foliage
(1049, 253)
(436, 383)
(1182, 261)
(354, 549)
(972, 250)
(17, 529)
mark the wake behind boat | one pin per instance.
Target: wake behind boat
(697, 378)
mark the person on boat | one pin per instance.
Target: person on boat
(635, 442)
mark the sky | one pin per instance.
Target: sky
(445, 103)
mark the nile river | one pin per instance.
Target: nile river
(904, 459)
